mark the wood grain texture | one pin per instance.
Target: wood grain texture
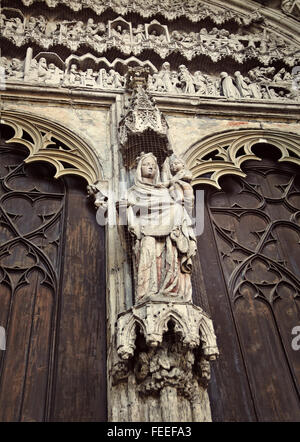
(252, 280)
(52, 297)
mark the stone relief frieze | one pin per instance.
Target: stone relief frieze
(128, 39)
(195, 10)
(48, 69)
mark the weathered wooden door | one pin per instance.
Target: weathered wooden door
(52, 296)
(250, 260)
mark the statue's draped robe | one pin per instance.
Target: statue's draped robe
(164, 242)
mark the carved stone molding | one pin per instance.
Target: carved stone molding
(190, 322)
(224, 153)
(47, 141)
(260, 42)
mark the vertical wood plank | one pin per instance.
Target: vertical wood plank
(80, 383)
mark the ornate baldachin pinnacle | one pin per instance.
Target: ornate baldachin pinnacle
(142, 116)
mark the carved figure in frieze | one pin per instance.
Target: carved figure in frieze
(73, 77)
(19, 30)
(282, 75)
(176, 36)
(126, 41)
(116, 32)
(91, 27)
(41, 24)
(273, 94)
(164, 242)
(163, 81)
(241, 85)
(200, 83)
(290, 6)
(138, 34)
(16, 69)
(42, 71)
(55, 75)
(90, 78)
(263, 47)
(186, 80)
(175, 82)
(234, 44)
(5, 63)
(188, 40)
(31, 27)
(112, 79)
(32, 74)
(76, 31)
(13, 29)
(228, 89)
(51, 29)
(213, 86)
(264, 93)
(214, 31)
(157, 38)
(254, 88)
(251, 47)
(261, 73)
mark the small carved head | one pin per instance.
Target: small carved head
(176, 164)
(166, 66)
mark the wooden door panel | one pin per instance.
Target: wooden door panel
(254, 226)
(267, 369)
(229, 390)
(80, 392)
(52, 296)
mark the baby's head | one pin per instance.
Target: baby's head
(176, 164)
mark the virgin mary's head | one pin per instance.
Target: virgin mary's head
(147, 171)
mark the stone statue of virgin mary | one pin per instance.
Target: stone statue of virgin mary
(164, 242)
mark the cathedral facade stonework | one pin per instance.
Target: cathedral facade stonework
(125, 127)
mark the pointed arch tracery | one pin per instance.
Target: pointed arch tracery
(50, 142)
(226, 152)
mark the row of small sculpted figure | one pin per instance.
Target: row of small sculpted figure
(255, 85)
(258, 83)
(214, 43)
(48, 73)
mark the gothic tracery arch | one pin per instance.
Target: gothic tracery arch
(50, 142)
(224, 153)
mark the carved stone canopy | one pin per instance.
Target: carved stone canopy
(190, 322)
(142, 113)
(143, 123)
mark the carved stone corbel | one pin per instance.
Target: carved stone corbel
(190, 323)
(168, 346)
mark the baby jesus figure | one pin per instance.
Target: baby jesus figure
(177, 178)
